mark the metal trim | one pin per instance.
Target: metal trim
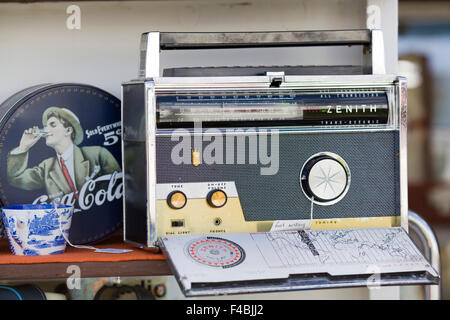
(142, 55)
(168, 132)
(403, 161)
(150, 126)
(393, 118)
(149, 58)
(378, 60)
(312, 283)
(124, 215)
(212, 83)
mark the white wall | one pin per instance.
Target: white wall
(36, 46)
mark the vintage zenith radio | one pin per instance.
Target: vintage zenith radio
(269, 173)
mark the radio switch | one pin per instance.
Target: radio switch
(177, 223)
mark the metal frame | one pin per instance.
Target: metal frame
(122, 149)
(431, 245)
(403, 122)
(259, 83)
(149, 56)
(308, 282)
(150, 123)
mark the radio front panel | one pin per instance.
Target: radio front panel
(209, 140)
(256, 200)
(231, 158)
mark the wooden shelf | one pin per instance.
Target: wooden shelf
(58, 270)
(41, 1)
(138, 263)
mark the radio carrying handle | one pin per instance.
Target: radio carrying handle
(152, 43)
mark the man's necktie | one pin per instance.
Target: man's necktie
(67, 175)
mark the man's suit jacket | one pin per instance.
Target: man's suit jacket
(49, 174)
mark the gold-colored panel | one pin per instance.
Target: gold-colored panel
(351, 223)
(198, 217)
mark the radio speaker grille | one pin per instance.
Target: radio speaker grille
(371, 156)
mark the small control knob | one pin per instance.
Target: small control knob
(216, 198)
(176, 200)
(326, 178)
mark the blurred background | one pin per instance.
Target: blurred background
(424, 48)
(36, 46)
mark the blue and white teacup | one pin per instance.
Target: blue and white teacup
(37, 229)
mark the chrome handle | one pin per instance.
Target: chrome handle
(154, 42)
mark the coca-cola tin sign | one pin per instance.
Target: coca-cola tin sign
(61, 142)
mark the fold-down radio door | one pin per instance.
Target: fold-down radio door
(295, 260)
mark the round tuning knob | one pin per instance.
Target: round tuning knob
(325, 178)
(216, 198)
(176, 200)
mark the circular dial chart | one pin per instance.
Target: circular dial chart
(215, 252)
